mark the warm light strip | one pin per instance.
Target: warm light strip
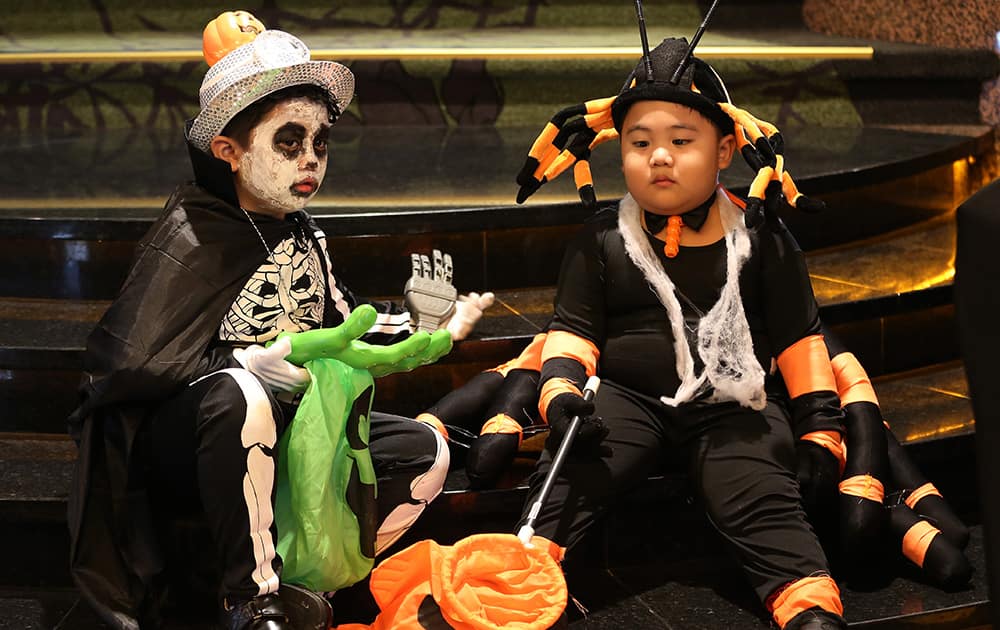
(842, 281)
(942, 430)
(496, 52)
(445, 204)
(949, 393)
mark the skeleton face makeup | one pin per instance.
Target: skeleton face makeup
(285, 160)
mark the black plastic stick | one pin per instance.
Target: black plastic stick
(674, 80)
(647, 64)
(528, 529)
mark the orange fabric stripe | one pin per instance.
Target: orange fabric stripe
(599, 104)
(501, 423)
(562, 162)
(789, 188)
(925, 490)
(582, 175)
(759, 184)
(805, 366)
(740, 203)
(603, 136)
(864, 486)
(529, 359)
(543, 141)
(565, 345)
(917, 540)
(806, 593)
(853, 384)
(600, 120)
(434, 421)
(552, 388)
(548, 156)
(831, 441)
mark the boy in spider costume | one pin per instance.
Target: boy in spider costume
(183, 401)
(679, 306)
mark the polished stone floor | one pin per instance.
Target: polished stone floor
(128, 174)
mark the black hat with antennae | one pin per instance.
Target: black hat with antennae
(671, 73)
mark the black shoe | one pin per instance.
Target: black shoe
(264, 612)
(816, 619)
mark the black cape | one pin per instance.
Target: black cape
(156, 337)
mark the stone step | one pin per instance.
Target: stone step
(652, 561)
(71, 235)
(877, 295)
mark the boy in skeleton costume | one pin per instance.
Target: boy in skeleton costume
(679, 307)
(182, 396)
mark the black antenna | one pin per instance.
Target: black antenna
(647, 64)
(674, 80)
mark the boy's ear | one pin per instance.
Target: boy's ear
(227, 150)
(727, 146)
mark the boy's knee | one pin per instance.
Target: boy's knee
(237, 402)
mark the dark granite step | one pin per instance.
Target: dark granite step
(71, 235)
(877, 295)
(928, 410)
(652, 562)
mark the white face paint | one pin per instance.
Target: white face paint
(284, 164)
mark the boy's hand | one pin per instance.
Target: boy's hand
(270, 365)
(468, 310)
(591, 433)
(429, 293)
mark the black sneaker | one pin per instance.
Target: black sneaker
(264, 612)
(816, 619)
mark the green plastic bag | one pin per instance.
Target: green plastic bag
(325, 505)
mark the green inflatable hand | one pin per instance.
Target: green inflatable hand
(328, 343)
(342, 343)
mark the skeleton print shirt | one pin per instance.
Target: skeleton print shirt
(295, 290)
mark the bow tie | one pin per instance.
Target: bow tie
(694, 218)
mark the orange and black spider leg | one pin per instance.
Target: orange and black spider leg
(513, 406)
(863, 518)
(755, 198)
(753, 130)
(580, 146)
(772, 192)
(533, 173)
(750, 154)
(581, 170)
(925, 546)
(585, 183)
(797, 199)
(921, 495)
(553, 138)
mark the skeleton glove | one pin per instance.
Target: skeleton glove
(468, 310)
(269, 365)
(431, 298)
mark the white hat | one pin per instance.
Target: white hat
(273, 61)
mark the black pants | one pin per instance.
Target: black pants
(214, 445)
(741, 463)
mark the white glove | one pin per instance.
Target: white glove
(269, 365)
(468, 309)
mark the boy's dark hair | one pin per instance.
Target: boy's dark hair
(242, 123)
